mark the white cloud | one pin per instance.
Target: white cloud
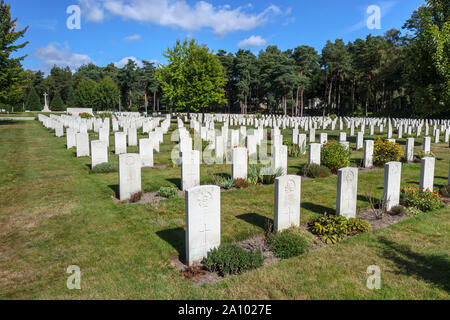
(134, 37)
(124, 61)
(92, 10)
(179, 14)
(61, 56)
(253, 41)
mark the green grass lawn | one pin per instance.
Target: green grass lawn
(54, 213)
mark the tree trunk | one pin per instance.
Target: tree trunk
(146, 101)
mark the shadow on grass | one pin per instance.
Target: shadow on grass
(430, 267)
(177, 239)
(256, 220)
(115, 188)
(316, 208)
(175, 181)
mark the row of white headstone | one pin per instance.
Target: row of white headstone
(203, 204)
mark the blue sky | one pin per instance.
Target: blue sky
(115, 30)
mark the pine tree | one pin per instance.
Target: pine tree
(33, 103)
(57, 103)
(12, 77)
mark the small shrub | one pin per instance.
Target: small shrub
(231, 259)
(293, 149)
(268, 174)
(287, 244)
(445, 191)
(399, 210)
(85, 115)
(253, 174)
(223, 182)
(315, 171)
(241, 183)
(332, 229)
(168, 192)
(136, 197)
(422, 154)
(335, 156)
(106, 167)
(424, 201)
(385, 151)
(413, 211)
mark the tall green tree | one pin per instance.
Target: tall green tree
(194, 78)
(127, 78)
(307, 62)
(149, 83)
(12, 76)
(107, 95)
(57, 103)
(85, 94)
(336, 62)
(428, 56)
(245, 77)
(33, 102)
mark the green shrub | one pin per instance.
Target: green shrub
(293, 149)
(413, 211)
(85, 115)
(168, 192)
(335, 156)
(223, 182)
(315, 171)
(421, 154)
(268, 174)
(254, 174)
(332, 229)
(399, 210)
(385, 151)
(106, 167)
(287, 244)
(231, 259)
(424, 201)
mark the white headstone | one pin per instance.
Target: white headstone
(71, 138)
(427, 174)
(202, 222)
(190, 169)
(314, 153)
(392, 180)
(146, 152)
(240, 162)
(409, 149)
(99, 153)
(120, 142)
(347, 192)
(368, 153)
(132, 137)
(129, 175)
(287, 202)
(82, 145)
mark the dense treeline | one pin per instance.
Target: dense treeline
(399, 73)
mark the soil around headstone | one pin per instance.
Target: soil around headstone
(379, 219)
(147, 197)
(199, 275)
